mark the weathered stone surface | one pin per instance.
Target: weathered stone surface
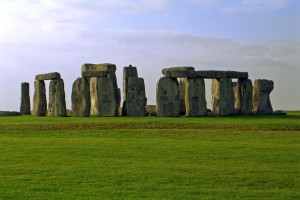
(39, 99)
(222, 97)
(182, 107)
(98, 70)
(195, 97)
(136, 97)
(81, 102)
(9, 113)
(179, 72)
(94, 96)
(57, 101)
(261, 97)
(221, 74)
(25, 99)
(107, 98)
(49, 76)
(151, 110)
(243, 96)
(167, 97)
(129, 71)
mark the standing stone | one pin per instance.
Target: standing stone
(57, 101)
(39, 99)
(261, 97)
(167, 97)
(128, 72)
(81, 102)
(136, 97)
(195, 97)
(94, 96)
(222, 97)
(182, 107)
(243, 96)
(25, 99)
(107, 99)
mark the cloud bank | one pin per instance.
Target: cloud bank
(46, 36)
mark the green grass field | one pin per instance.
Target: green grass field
(246, 157)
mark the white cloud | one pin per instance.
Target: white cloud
(256, 6)
(150, 51)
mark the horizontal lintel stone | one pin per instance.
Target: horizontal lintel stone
(179, 72)
(221, 74)
(97, 70)
(48, 76)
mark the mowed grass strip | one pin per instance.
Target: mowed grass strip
(150, 158)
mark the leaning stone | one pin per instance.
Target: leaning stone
(167, 97)
(179, 72)
(261, 97)
(81, 102)
(97, 70)
(107, 98)
(9, 113)
(128, 72)
(182, 107)
(136, 97)
(221, 74)
(243, 96)
(25, 99)
(57, 101)
(195, 97)
(222, 97)
(39, 99)
(49, 76)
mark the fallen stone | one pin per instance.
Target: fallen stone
(136, 97)
(107, 98)
(97, 70)
(9, 113)
(39, 99)
(151, 110)
(221, 74)
(279, 112)
(261, 97)
(25, 99)
(81, 102)
(57, 102)
(222, 95)
(128, 72)
(195, 97)
(49, 76)
(243, 96)
(167, 97)
(179, 72)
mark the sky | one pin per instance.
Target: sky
(254, 36)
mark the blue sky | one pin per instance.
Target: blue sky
(41, 36)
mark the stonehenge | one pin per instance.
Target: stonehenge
(222, 97)
(261, 97)
(25, 99)
(167, 97)
(179, 92)
(81, 102)
(39, 99)
(134, 93)
(57, 102)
